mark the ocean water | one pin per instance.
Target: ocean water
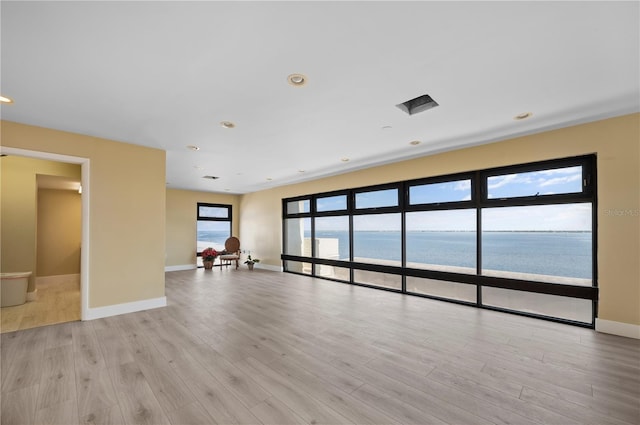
(566, 254)
(211, 238)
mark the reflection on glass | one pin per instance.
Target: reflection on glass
(441, 288)
(534, 183)
(442, 240)
(331, 203)
(383, 280)
(298, 233)
(434, 193)
(576, 309)
(297, 267)
(546, 243)
(332, 237)
(331, 272)
(377, 199)
(377, 239)
(295, 207)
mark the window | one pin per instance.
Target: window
(332, 237)
(442, 240)
(213, 226)
(517, 239)
(298, 206)
(377, 199)
(435, 193)
(377, 239)
(544, 243)
(331, 203)
(552, 181)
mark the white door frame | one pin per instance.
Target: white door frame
(84, 252)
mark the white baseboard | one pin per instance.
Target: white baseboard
(180, 267)
(618, 328)
(61, 278)
(117, 309)
(268, 267)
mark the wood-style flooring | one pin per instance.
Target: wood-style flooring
(241, 347)
(56, 302)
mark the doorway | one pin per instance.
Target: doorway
(60, 227)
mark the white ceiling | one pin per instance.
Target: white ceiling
(165, 74)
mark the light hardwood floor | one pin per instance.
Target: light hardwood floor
(258, 347)
(56, 302)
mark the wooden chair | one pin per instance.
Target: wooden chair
(232, 252)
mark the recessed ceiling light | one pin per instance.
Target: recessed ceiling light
(301, 171)
(386, 127)
(198, 167)
(4, 99)
(523, 116)
(297, 80)
(193, 147)
(269, 179)
(415, 142)
(227, 124)
(344, 159)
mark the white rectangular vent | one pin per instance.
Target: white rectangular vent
(210, 177)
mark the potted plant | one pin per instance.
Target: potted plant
(208, 257)
(251, 261)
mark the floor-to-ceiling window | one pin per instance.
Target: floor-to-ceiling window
(213, 227)
(518, 238)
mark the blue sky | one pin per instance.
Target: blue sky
(568, 217)
(548, 182)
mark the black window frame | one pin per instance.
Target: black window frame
(206, 218)
(479, 200)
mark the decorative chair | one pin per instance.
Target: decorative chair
(231, 252)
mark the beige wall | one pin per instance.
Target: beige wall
(181, 222)
(616, 142)
(18, 200)
(59, 232)
(126, 211)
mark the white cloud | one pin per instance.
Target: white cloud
(560, 180)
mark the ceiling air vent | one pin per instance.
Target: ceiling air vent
(210, 177)
(419, 104)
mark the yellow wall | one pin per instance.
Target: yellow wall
(126, 210)
(181, 222)
(616, 142)
(18, 200)
(59, 232)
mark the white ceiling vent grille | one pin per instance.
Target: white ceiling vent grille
(210, 177)
(419, 104)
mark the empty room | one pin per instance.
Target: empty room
(317, 212)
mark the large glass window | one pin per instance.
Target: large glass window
(332, 237)
(518, 238)
(442, 240)
(213, 227)
(377, 239)
(298, 236)
(544, 243)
